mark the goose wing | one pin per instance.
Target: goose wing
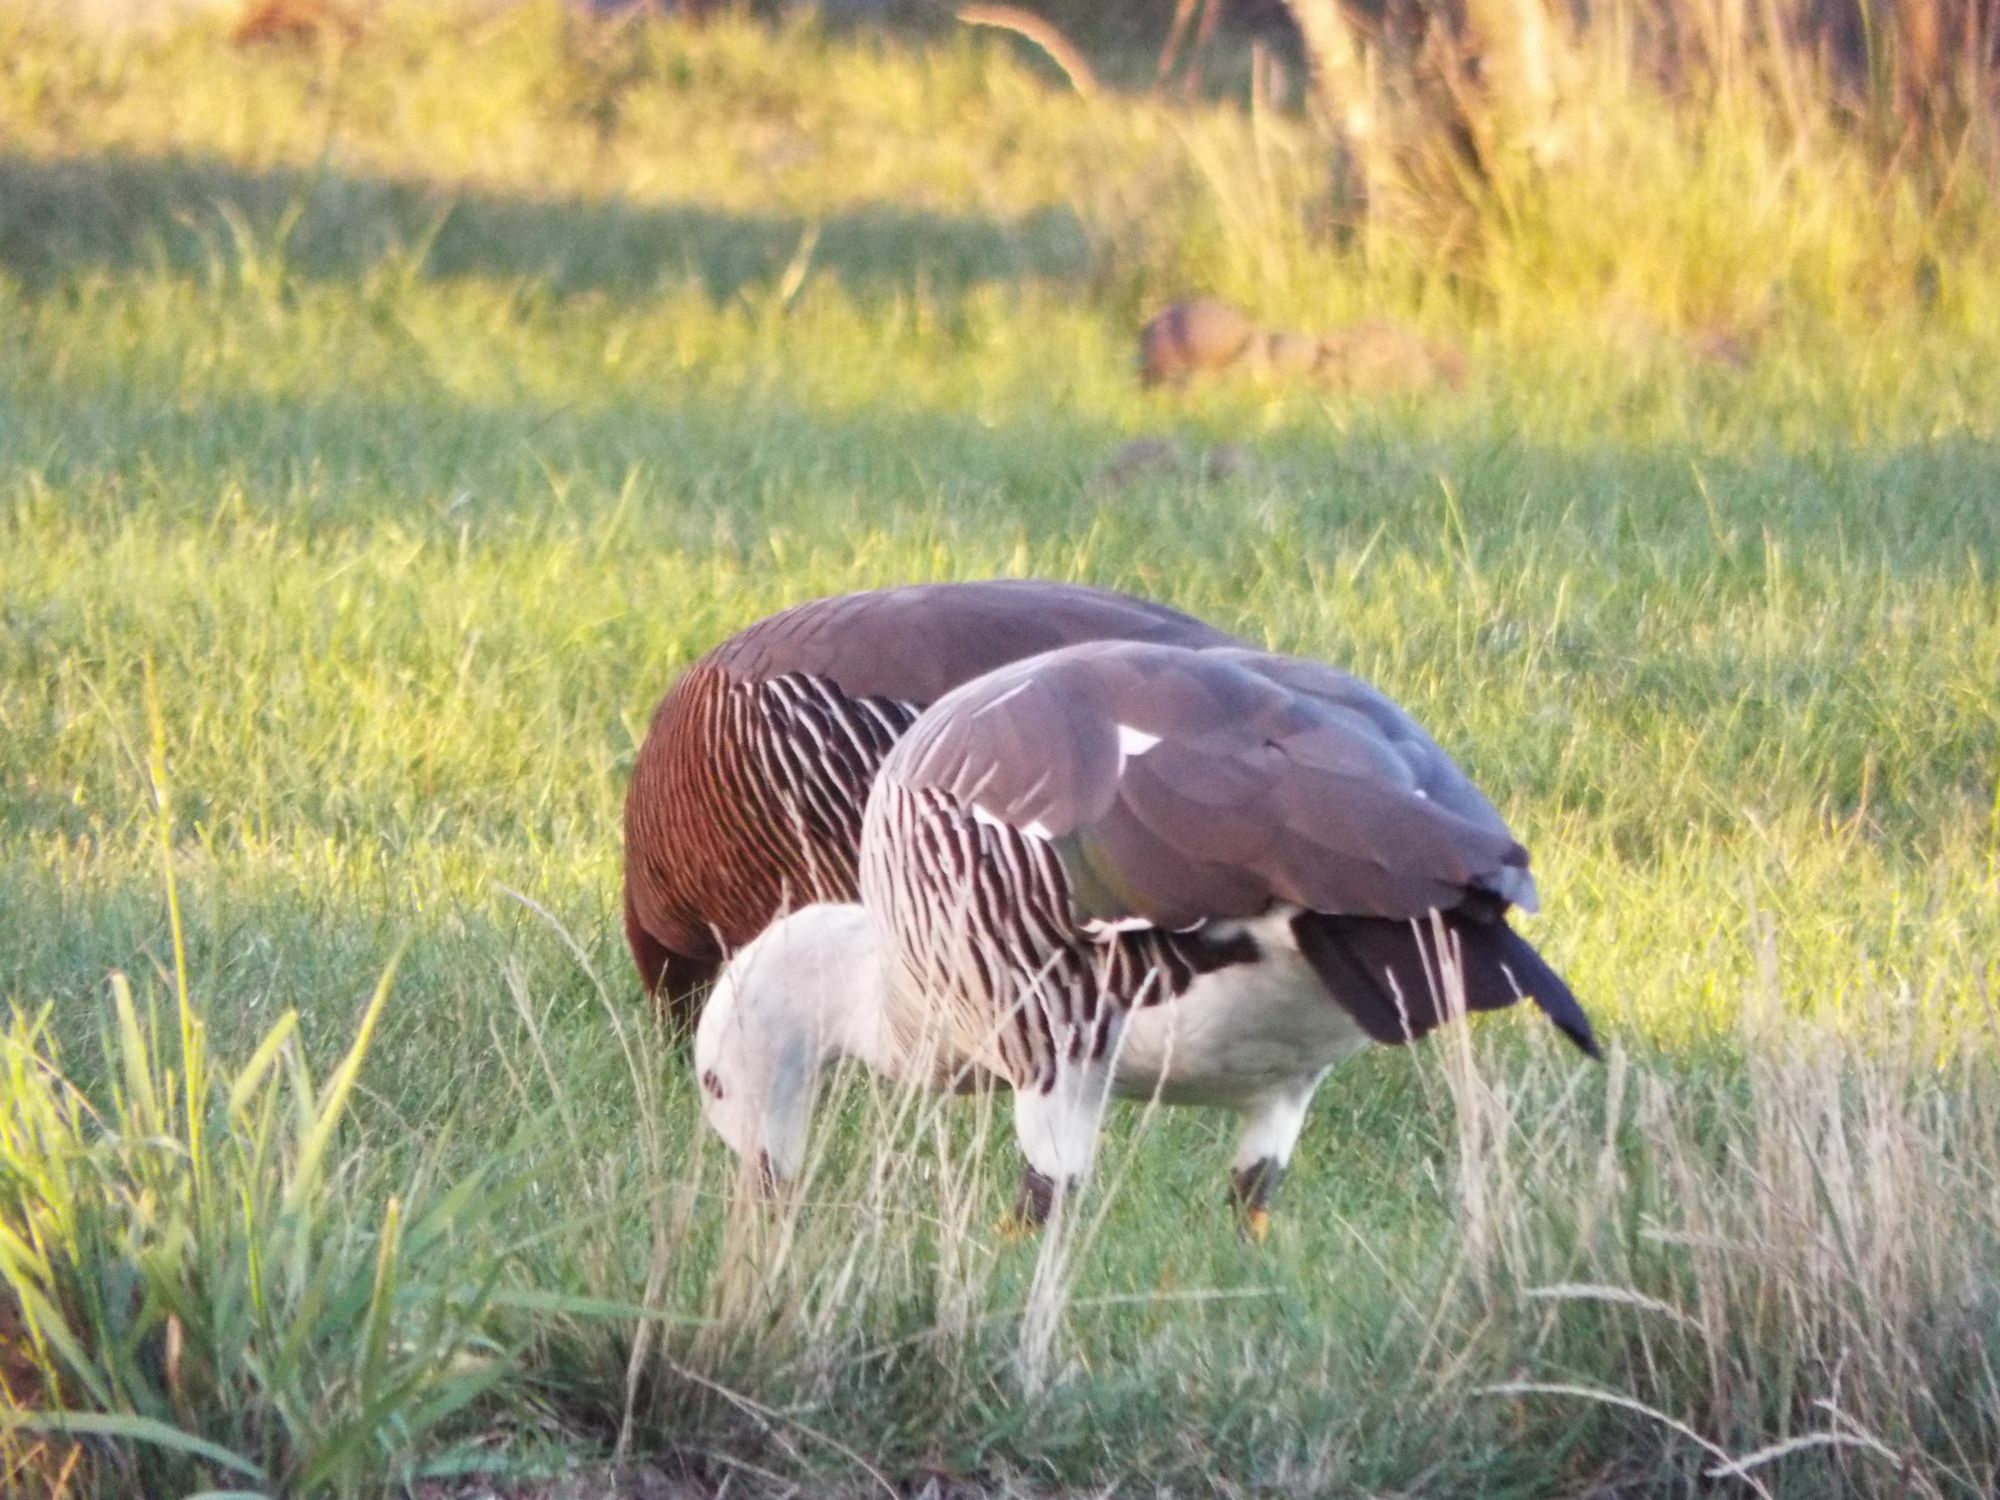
(1180, 787)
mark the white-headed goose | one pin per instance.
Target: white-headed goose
(1136, 868)
(747, 795)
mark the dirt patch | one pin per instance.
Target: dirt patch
(1159, 458)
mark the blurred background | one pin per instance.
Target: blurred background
(1709, 173)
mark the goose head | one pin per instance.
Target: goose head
(788, 1003)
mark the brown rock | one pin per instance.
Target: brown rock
(1226, 461)
(277, 21)
(1721, 346)
(1194, 338)
(1206, 337)
(1150, 457)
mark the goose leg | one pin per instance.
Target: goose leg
(1271, 1126)
(1057, 1131)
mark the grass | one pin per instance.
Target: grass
(388, 424)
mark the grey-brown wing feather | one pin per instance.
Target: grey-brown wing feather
(916, 643)
(1180, 786)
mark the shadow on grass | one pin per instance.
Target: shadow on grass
(257, 947)
(196, 214)
(721, 464)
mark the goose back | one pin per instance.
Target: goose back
(746, 798)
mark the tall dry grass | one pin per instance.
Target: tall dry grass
(1720, 172)
(1779, 1273)
(1788, 1275)
(1435, 98)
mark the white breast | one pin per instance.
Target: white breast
(1239, 1033)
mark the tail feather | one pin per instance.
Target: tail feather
(1382, 971)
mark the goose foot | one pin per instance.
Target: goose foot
(1250, 1192)
(1014, 1230)
(1034, 1201)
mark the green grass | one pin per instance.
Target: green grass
(409, 415)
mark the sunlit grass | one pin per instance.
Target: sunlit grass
(409, 415)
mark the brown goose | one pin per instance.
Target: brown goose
(747, 795)
(1201, 876)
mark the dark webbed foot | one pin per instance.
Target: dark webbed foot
(1036, 1199)
(1033, 1203)
(1251, 1189)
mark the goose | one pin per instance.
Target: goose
(1201, 876)
(747, 794)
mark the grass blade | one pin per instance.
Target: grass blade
(131, 1429)
(333, 1102)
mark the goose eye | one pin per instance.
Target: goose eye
(711, 1083)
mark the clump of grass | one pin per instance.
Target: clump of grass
(1781, 1274)
(203, 1281)
(206, 1291)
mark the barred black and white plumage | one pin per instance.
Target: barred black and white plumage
(747, 795)
(988, 953)
(1203, 876)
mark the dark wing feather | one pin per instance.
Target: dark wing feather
(1385, 973)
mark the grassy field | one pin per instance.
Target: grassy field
(382, 426)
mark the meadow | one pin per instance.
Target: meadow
(386, 419)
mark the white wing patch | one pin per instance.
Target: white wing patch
(1100, 927)
(1134, 741)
